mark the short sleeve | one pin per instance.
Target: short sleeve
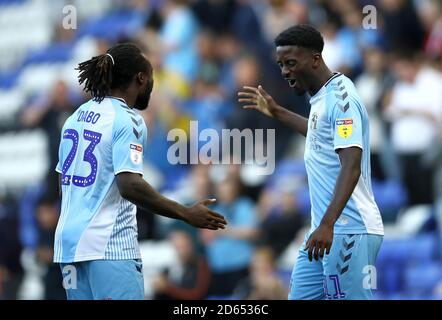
(128, 144)
(346, 123)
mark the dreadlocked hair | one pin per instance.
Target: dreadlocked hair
(114, 69)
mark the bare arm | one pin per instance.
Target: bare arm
(135, 189)
(322, 238)
(347, 180)
(259, 99)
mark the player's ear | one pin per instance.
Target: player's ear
(140, 78)
(316, 60)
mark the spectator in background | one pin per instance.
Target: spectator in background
(281, 14)
(264, 282)
(208, 104)
(215, 15)
(333, 49)
(228, 50)
(247, 28)
(178, 34)
(414, 110)
(247, 71)
(229, 253)
(431, 16)
(11, 271)
(280, 219)
(402, 27)
(50, 112)
(47, 217)
(163, 113)
(371, 85)
(188, 280)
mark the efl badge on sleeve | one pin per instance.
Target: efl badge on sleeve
(136, 153)
(344, 127)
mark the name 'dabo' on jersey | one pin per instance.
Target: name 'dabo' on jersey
(88, 116)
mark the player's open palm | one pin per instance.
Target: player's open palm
(200, 216)
(257, 99)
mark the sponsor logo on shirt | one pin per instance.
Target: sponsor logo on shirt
(344, 127)
(136, 153)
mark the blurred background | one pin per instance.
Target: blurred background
(202, 52)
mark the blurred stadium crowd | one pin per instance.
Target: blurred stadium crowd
(203, 51)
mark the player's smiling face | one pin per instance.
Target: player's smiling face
(297, 66)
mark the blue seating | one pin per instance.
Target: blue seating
(303, 200)
(421, 278)
(8, 79)
(390, 195)
(55, 53)
(112, 26)
(11, 2)
(421, 248)
(400, 261)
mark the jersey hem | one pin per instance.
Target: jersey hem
(379, 232)
(349, 146)
(94, 257)
(128, 170)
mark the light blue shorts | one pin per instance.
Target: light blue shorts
(348, 272)
(103, 280)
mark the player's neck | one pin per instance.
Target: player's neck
(117, 93)
(323, 75)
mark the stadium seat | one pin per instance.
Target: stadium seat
(12, 101)
(57, 52)
(390, 196)
(112, 26)
(423, 247)
(422, 278)
(8, 79)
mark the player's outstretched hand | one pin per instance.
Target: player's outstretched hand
(200, 216)
(258, 99)
(320, 241)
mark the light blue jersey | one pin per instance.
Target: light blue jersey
(338, 119)
(98, 141)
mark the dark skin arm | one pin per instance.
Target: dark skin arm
(259, 99)
(321, 239)
(135, 189)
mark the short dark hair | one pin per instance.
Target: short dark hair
(114, 69)
(301, 35)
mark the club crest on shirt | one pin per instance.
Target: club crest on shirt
(136, 153)
(314, 122)
(344, 127)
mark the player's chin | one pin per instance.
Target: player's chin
(299, 91)
(142, 102)
(141, 107)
